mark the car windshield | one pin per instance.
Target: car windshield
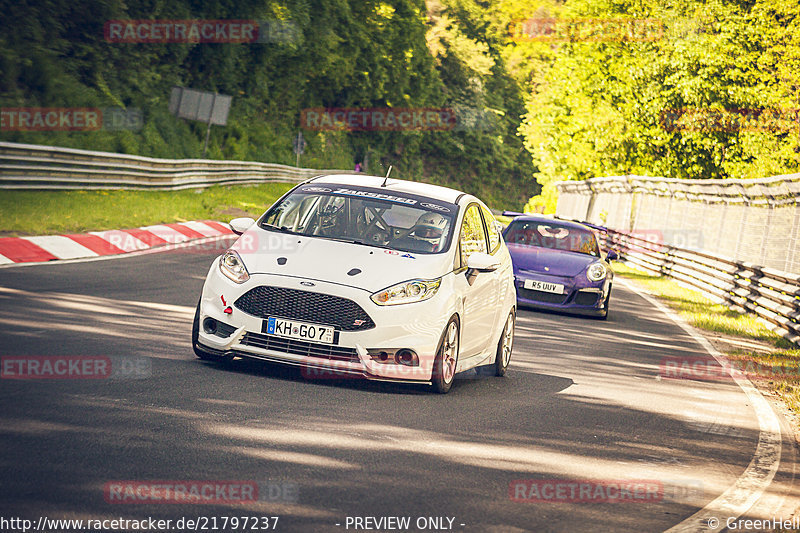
(374, 217)
(546, 234)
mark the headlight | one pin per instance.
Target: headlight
(233, 267)
(596, 272)
(407, 292)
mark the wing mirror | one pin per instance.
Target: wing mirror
(240, 225)
(612, 255)
(481, 262)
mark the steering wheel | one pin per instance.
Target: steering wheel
(327, 219)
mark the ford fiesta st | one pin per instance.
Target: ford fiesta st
(558, 266)
(365, 276)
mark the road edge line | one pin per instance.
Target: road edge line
(758, 475)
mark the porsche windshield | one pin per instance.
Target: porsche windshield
(552, 235)
(365, 216)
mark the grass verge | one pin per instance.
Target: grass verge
(56, 212)
(765, 357)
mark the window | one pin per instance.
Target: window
(473, 238)
(366, 216)
(493, 228)
(546, 234)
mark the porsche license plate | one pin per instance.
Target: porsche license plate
(535, 285)
(300, 330)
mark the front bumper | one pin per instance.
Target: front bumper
(417, 327)
(580, 295)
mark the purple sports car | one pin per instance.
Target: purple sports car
(558, 266)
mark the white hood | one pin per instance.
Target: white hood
(314, 258)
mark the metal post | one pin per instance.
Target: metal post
(742, 228)
(718, 247)
(590, 206)
(667, 222)
(765, 235)
(793, 257)
(700, 227)
(208, 130)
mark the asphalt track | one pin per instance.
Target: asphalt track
(583, 400)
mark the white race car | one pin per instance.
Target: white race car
(364, 276)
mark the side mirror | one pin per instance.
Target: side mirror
(612, 255)
(481, 262)
(240, 225)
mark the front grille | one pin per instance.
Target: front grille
(298, 347)
(586, 298)
(293, 304)
(540, 296)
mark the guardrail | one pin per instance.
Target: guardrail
(29, 166)
(752, 220)
(771, 294)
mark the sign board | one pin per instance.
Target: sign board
(202, 106)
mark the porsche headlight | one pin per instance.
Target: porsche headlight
(232, 266)
(407, 292)
(596, 272)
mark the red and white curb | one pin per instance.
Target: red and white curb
(100, 243)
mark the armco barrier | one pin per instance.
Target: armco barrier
(771, 294)
(28, 166)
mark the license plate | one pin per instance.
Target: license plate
(300, 330)
(535, 285)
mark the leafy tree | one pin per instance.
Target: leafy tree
(604, 108)
(344, 53)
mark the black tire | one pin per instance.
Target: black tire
(503, 356)
(195, 335)
(444, 366)
(497, 367)
(604, 314)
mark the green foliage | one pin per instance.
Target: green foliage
(545, 202)
(346, 53)
(531, 113)
(598, 108)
